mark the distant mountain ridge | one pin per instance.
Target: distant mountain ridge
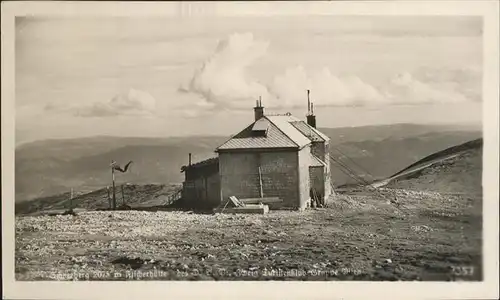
(50, 167)
(455, 170)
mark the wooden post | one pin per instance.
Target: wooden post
(71, 200)
(114, 192)
(260, 184)
(225, 206)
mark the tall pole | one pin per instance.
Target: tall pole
(261, 191)
(308, 103)
(114, 193)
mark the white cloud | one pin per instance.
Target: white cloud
(223, 81)
(326, 89)
(222, 78)
(405, 89)
(130, 103)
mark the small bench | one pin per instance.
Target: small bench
(263, 200)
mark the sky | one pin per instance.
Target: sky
(175, 76)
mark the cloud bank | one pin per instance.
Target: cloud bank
(130, 103)
(223, 81)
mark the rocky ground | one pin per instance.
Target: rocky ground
(389, 235)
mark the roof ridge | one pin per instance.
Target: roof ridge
(315, 156)
(311, 129)
(321, 134)
(298, 146)
(200, 163)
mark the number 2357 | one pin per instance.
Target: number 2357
(462, 270)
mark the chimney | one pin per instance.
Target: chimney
(258, 109)
(311, 118)
(189, 159)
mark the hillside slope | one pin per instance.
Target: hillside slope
(456, 169)
(149, 195)
(380, 158)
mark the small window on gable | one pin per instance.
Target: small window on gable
(262, 133)
(260, 127)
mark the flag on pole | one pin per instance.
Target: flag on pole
(117, 167)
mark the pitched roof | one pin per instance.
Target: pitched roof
(284, 124)
(283, 131)
(315, 161)
(246, 139)
(310, 132)
(200, 164)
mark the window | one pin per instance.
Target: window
(260, 127)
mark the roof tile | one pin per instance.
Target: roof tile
(247, 140)
(310, 132)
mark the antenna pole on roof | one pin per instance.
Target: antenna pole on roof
(311, 118)
(308, 102)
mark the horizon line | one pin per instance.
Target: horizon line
(470, 125)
